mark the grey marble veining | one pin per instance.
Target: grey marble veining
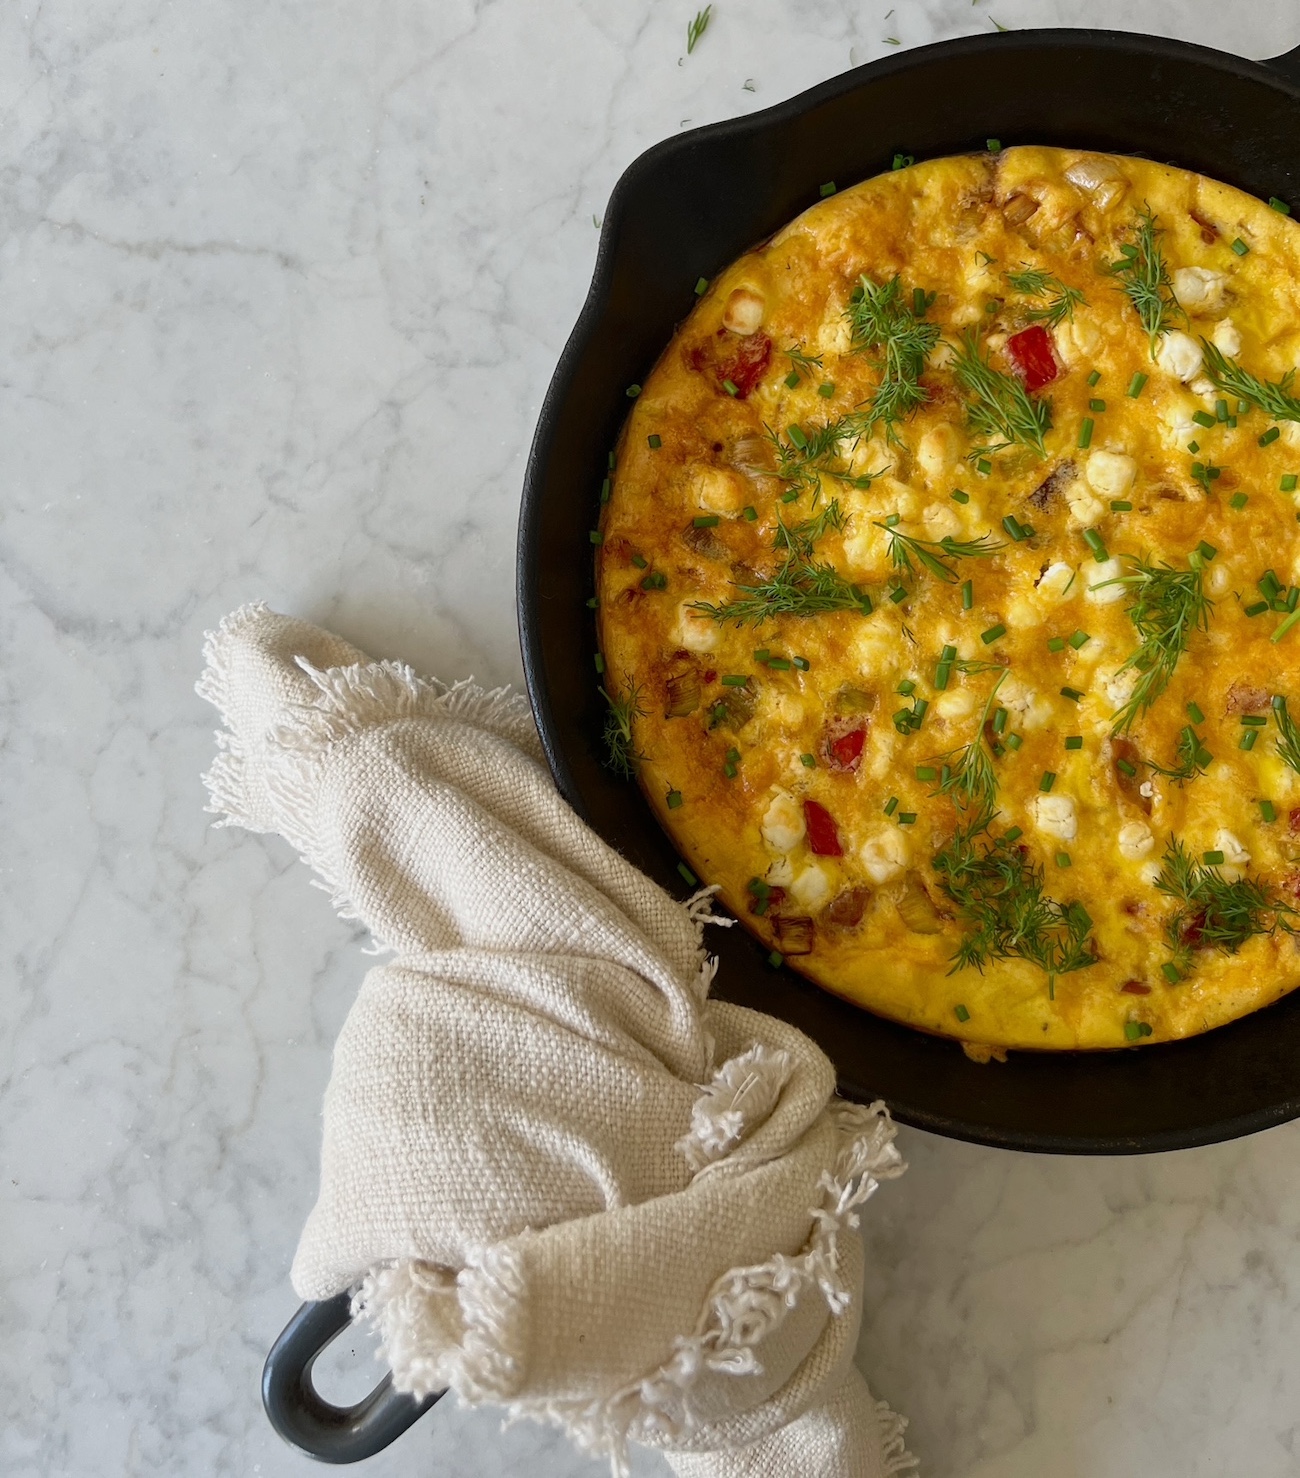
(281, 286)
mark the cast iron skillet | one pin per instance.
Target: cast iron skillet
(684, 210)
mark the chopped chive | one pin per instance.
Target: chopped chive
(1085, 432)
(1221, 410)
(780, 664)
(1073, 694)
(991, 635)
(1120, 505)
(1269, 584)
(984, 467)
(1256, 609)
(1012, 834)
(1238, 501)
(1194, 713)
(1095, 377)
(1136, 384)
(892, 520)
(1253, 721)
(729, 770)
(674, 799)
(689, 877)
(1268, 811)
(734, 679)
(1047, 781)
(1203, 757)
(776, 959)
(1014, 741)
(1127, 766)
(1285, 625)
(1074, 741)
(827, 189)
(1203, 418)
(1097, 544)
(809, 761)
(731, 387)
(632, 391)
(792, 379)
(1242, 407)
(1097, 405)
(958, 496)
(655, 580)
(604, 491)
(891, 805)
(733, 755)
(1000, 720)
(790, 496)
(1206, 551)
(1131, 1030)
(701, 286)
(1240, 247)
(960, 1012)
(654, 442)
(761, 654)
(596, 536)
(1292, 598)
(802, 663)
(1247, 740)
(945, 774)
(1288, 483)
(942, 675)
(1056, 644)
(907, 687)
(751, 513)
(920, 707)
(613, 461)
(967, 594)
(901, 161)
(926, 772)
(907, 818)
(599, 661)
(1279, 703)
(797, 437)
(1282, 208)
(1080, 639)
(1193, 447)
(1014, 527)
(826, 389)
(1213, 859)
(1270, 436)
(994, 146)
(706, 521)
(592, 603)
(1062, 859)
(898, 594)
(640, 561)
(948, 654)
(1171, 974)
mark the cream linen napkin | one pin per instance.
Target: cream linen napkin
(556, 1175)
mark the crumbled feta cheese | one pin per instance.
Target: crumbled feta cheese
(1054, 816)
(781, 873)
(782, 825)
(744, 312)
(1022, 612)
(1056, 582)
(1219, 577)
(1135, 840)
(1076, 340)
(720, 489)
(885, 855)
(1100, 591)
(1226, 338)
(1179, 355)
(1233, 852)
(1110, 474)
(1086, 508)
(1203, 386)
(955, 703)
(941, 520)
(1199, 289)
(1147, 789)
(1118, 686)
(938, 451)
(811, 886)
(694, 630)
(784, 708)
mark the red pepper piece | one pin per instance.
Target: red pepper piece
(1293, 820)
(1033, 357)
(746, 364)
(823, 836)
(847, 749)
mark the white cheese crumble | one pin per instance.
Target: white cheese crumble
(1226, 338)
(1199, 289)
(1233, 852)
(782, 825)
(938, 451)
(1179, 355)
(885, 855)
(1110, 474)
(955, 703)
(1057, 581)
(811, 886)
(1135, 840)
(719, 489)
(1055, 816)
(744, 312)
(781, 873)
(694, 630)
(1118, 685)
(1100, 591)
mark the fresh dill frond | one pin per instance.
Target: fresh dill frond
(1288, 735)
(1273, 397)
(1168, 606)
(1214, 912)
(803, 458)
(803, 363)
(1191, 758)
(881, 320)
(903, 548)
(971, 665)
(998, 892)
(1034, 282)
(1143, 273)
(1000, 409)
(798, 539)
(971, 782)
(696, 28)
(621, 754)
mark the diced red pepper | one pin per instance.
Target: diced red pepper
(746, 363)
(1033, 357)
(823, 836)
(1293, 820)
(847, 749)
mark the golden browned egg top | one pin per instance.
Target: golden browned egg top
(945, 589)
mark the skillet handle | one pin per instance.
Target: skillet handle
(334, 1434)
(1287, 66)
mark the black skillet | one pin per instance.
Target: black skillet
(682, 211)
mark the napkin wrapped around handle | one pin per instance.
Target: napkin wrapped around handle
(555, 1174)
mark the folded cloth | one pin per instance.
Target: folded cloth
(555, 1174)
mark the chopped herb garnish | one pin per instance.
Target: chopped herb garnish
(696, 28)
(1063, 859)
(1120, 505)
(1270, 436)
(1213, 912)
(1168, 606)
(1085, 432)
(958, 496)
(967, 595)
(1097, 544)
(1191, 758)
(1289, 482)
(701, 286)
(1247, 740)
(881, 321)
(1238, 501)
(1074, 741)
(1097, 405)
(1136, 385)
(1240, 247)
(827, 190)
(901, 161)
(1047, 780)
(598, 658)
(891, 805)
(620, 750)
(961, 1013)
(903, 548)
(993, 633)
(1288, 736)
(731, 387)
(998, 408)
(776, 959)
(1268, 811)
(1033, 282)
(808, 760)
(1256, 608)
(1073, 694)
(1144, 275)
(1094, 378)
(1135, 1030)
(1194, 713)
(1056, 644)
(674, 799)
(1282, 208)
(1273, 397)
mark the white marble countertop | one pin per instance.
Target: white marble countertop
(263, 268)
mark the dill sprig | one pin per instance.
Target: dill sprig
(972, 782)
(1214, 912)
(1191, 758)
(1062, 300)
(1288, 735)
(803, 586)
(1000, 409)
(804, 458)
(1169, 605)
(1273, 397)
(1144, 275)
(998, 891)
(903, 548)
(696, 28)
(621, 754)
(800, 362)
(881, 320)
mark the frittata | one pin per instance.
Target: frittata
(948, 588)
